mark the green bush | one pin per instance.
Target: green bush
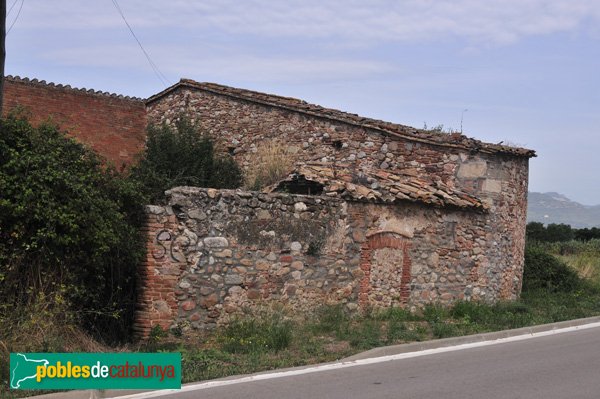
(181, 156)
(68, 224)
(544, 271)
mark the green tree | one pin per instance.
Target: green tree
(587, 234)
(68, 224)
(536, 231)
(182, 156)
(559, 232)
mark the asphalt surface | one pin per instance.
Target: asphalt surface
(558, 366)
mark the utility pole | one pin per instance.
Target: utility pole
(2, 50)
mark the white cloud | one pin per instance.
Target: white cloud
(489, 21)
(281, 69)
(177, 62)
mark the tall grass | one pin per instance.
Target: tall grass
(265, 340)
(271, 163)
(252, 335)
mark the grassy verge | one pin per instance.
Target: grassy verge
(552, 293)
(274, 342)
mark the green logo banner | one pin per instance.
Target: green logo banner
(95, 370)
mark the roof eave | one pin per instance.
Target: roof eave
(477, 145)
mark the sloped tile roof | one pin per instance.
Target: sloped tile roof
(455, 140)
(377, 185)
(43, 83)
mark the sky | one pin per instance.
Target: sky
(525, 72)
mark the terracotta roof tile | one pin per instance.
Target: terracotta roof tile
(379, 186)
(36, 82)
(455, 140)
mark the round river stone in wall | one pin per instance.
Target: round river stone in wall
(233, 279)
(300, 207)
(216, 242)
(185, 285)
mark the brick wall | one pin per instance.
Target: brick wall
(498, 177)
(376, 255)
(114, 126)
(213, 254)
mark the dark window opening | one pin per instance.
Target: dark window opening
(300, 185)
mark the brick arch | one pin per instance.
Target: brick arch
(379, 241)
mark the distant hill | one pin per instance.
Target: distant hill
(556, 208)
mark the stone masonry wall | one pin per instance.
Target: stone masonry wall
(215, 253)
(114, 126)
(498, 179)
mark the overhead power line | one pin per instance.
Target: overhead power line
(11, 7)
(17, 17)
(157, 71)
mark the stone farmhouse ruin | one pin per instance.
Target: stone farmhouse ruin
(373, 214)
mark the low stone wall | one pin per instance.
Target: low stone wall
(241, 122)
(216, 253)
(212, 253)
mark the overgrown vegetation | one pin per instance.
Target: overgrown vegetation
(70, 242)
(270, 333)
(182, 156)
(271, 163)
(545, 271)
(552, 291)
(69, 230)
(440, 129)
(70, 237)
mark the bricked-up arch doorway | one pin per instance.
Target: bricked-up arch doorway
(385, 261)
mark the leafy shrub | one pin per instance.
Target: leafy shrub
(544, 271)
(182, 156)
(68, 224)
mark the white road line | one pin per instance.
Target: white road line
(335, 366)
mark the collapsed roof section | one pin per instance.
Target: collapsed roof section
(374, 185)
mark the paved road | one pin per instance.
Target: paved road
(560, 366)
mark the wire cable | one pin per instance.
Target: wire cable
(11, 7)
(157, 71)
(17, 17)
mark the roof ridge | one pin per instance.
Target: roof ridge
(38, 82)
(456, 140)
